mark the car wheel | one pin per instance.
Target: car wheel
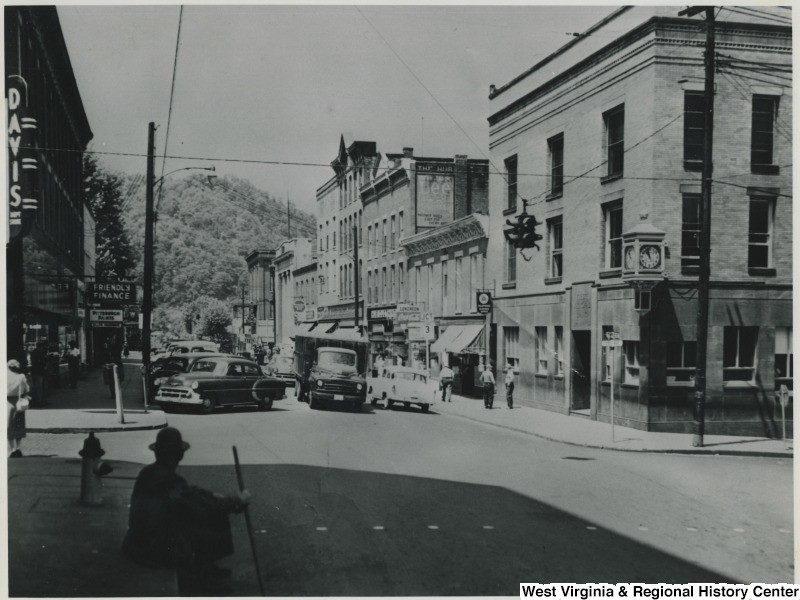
(208, 405)
(425, 407)
(313, 403)
(266, 403)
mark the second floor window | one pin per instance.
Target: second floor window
(759, 243)
(765, 111)
(690, 232)
(511, 182)
(556, 248)
(555, 146)
(510, 263)
(693, 130)
(615, 140)
(613, 236)
(394, 232)
(511, 347)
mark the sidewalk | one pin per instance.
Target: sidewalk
(89, 407)
(58, 547)
(581, 431)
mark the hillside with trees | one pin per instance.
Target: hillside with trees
(204, 229)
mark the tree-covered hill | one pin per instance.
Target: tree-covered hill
(204, 230)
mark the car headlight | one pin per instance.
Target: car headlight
(195, 385)
(159, 381)
(359, 387)
(320, 383)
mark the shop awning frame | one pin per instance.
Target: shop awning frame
(466, 340)
(445, 338)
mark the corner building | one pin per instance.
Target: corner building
(604, 138)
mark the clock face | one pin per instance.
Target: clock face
(649, 257)
(630, 260)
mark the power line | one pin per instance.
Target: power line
(747, 187)
(171, 97)
(779, 124)
(765, 16)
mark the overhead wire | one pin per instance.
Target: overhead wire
(171, 98)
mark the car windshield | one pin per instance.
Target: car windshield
(174, 364)
(284, 363)
(408, 376)
(204, 366)
(333, 358)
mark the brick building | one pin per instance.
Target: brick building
(46, 298)
(604, 137)
(290, 257)
(404, 198)
(339, 210)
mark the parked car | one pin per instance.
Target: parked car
(193, 346)
(402, 385)
(217, 381)
(282, 367)
(167, 366)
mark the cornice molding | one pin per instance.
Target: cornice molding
(467, 229)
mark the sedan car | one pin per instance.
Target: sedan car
(402, 385)
(282, 367)
(165, 367)
(217, 381)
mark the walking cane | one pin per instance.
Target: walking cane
(247, 521)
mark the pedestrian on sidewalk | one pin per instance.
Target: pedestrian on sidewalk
(446, 376)
(39, 374)
(510, 386)
(487, 379)
(175, 525)
(73, 355)
(17, 394)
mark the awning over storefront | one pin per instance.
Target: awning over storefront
(332, 327)
(303, 328)
(468, 341)
(448, 336)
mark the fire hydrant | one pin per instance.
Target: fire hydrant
(92, 469)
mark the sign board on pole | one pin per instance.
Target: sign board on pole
(105, 316)
(111, 293)
(611, 343)
(407, 313)
(484, 302)
(420, 332)
(299, 306)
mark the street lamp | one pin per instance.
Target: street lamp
(149, 259)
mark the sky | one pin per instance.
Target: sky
(282, 83)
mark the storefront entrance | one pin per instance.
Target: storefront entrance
(581, 371)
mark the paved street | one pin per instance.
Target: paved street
(403, 503)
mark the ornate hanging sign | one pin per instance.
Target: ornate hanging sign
(21, 131)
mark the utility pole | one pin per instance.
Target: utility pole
(357, 275)
(288, 216)
(704, 278)
(149, 219)
(274, 310)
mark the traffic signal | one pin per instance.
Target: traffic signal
(521, 232)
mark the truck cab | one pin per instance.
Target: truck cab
(331, 369)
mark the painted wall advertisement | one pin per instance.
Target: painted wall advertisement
(435, 204)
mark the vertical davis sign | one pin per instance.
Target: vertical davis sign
(435, 184)
(21, 131)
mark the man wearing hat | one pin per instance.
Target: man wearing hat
(175, 525)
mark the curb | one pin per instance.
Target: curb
(699, 452)
(93, 429)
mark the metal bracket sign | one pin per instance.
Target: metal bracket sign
(484, 302)
(407, 313)
(105, 316)
(420, 332)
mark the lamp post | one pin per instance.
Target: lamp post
(149, 258)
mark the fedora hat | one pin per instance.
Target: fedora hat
(169, 438)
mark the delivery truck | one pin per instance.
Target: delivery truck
(331, 368)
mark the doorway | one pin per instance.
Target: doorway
(581, 372)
